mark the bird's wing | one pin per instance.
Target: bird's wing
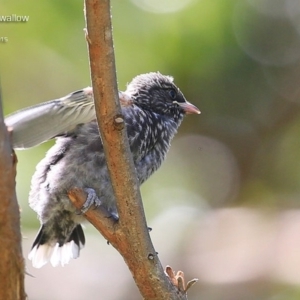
(37, 124)
(40, 123)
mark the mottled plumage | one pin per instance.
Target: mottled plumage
(153, 108)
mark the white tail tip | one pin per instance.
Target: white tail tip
(42, 254)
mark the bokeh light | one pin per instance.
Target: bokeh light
(224, 207)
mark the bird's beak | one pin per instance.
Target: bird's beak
(188, 107)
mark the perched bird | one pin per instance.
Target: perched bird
(153, 108)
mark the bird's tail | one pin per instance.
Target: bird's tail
(45, 249)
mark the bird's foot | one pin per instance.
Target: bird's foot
(92, 199)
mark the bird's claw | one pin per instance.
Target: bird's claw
(114, 215)
(92, 199)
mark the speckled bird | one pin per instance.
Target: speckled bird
(153, 108)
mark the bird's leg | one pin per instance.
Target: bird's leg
(92, 199)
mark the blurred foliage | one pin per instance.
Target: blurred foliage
(237, 60)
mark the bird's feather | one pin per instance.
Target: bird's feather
(37, 124)
(153, 108)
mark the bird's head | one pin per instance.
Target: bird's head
(158, 93)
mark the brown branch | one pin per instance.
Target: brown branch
(98, 217)
(146, 271)
(130, 234)
(11, 259)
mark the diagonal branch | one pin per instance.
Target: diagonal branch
(129, 235)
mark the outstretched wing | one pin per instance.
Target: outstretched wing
(40, 123)
(37, 124)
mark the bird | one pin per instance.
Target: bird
(153, 108)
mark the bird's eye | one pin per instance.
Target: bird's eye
(172, 94)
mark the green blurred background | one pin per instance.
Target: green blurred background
(225, 205)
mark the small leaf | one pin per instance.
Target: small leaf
(191, 283)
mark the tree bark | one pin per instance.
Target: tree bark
(130, 234)
(11, 259)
